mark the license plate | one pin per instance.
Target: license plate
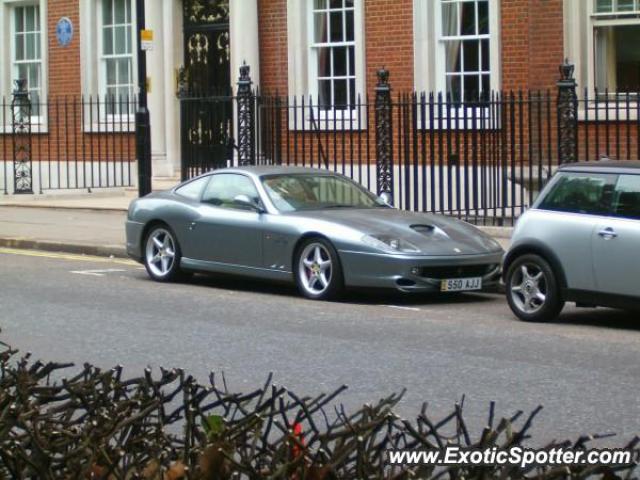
(461, 284)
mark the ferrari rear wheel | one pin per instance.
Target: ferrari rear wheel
(318, 271)
(162, 254)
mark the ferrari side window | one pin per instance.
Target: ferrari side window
(192, 190)
(223, 189)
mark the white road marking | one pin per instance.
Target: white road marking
(97, 273)
(399, 307)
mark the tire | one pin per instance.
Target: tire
(162, 254)
(317, 270)
(532, 289)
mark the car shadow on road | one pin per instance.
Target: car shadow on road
(359, 296)
(241, 284)
(389, 297)
(607, 318)
(600, 317)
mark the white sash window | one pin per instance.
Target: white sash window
(116, 48)
(333, 50)
(327, 62)
(457, 48)
(616, 36)
(464, 44)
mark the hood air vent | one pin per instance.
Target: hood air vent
(429, 230)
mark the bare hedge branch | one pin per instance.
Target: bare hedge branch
(96, 424)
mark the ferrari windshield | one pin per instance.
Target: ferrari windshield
(294, 192)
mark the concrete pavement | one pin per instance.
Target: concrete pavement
(89, 232)
(116, 199)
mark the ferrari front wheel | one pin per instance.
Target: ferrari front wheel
(318, 271)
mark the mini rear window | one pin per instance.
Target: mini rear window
(626, 199)
(585, 193)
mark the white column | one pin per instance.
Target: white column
(172, 51)
(244, 41)
(155, 72)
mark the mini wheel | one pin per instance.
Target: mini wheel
(532, 289)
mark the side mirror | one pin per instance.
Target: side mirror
(245, 201)
(386, 198)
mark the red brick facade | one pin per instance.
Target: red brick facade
(63, 143)
(531, 43)
(530, 47)
(64, 62)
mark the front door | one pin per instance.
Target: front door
(575, 203)
(205, 93)
(616, 242)
(225, 231)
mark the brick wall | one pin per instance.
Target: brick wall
(546, 43)
(531, 40)
(272, 21)
(514, 43)
(64, 62)
(64, 155)
(389, 42)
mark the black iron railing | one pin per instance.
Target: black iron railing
(484, 159)
(66, 143)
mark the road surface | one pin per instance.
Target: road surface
(584, 369)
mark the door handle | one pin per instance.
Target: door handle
(608, 233)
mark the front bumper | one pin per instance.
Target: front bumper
(415, 273)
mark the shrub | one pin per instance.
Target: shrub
(98, 424)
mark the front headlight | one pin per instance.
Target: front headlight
(389, 243)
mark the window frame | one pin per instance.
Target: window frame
(93, 77)
(314, 49)
(613, 11)
(103, 59)
(442, 40)
(302, 81)
(7, 62)
(580, 22)
(15, 63)
(600, 21)
(430, 61)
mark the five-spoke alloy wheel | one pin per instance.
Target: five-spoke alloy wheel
(162, 254)
(533, 292)
(318, 271)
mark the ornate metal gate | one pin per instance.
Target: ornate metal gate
(206, 107)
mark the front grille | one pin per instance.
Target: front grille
(461, 271)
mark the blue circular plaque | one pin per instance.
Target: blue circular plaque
(64, 31)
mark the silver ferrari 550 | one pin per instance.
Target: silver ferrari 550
(312, 227)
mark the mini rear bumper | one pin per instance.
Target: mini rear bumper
(417, 273)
